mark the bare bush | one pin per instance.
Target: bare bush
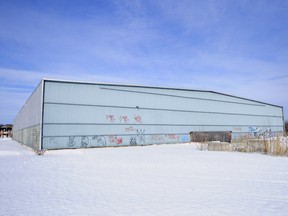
(277, 145)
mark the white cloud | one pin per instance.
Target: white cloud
(208, 45)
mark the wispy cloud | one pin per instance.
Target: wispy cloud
(233, 47)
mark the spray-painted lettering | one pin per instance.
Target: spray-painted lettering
(124, 119)
(138, 119)
(171, 136)
(129, 129)
(115, 140)
(110, 118)
(157, 138)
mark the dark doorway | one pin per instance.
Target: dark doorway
(205, 136)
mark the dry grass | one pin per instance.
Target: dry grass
(277, 146)
(202, 146)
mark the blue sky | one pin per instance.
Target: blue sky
(234, 47)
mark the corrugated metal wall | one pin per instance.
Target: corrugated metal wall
(26, 127)
(91, 115)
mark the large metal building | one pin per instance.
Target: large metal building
(71, 114)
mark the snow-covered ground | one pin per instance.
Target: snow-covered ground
(151, 180)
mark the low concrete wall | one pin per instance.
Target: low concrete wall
(250, 146)
(219, 146)
(274, 146)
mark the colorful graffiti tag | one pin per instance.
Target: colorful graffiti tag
(130, 129)
(124, 119)
(256, 132)
(138, 119)
(185, 138)
(157, 138)
(172, 137)
(116, 140)
(110, 118)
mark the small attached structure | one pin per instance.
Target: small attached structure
(6, 131)
(71, 114)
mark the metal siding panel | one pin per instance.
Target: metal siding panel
(90, 110)
(73, 114)
(26, 126)
(93, 94)
(30, 114)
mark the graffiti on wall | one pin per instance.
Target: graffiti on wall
(111, 118)
(172, 137)
(130, 129)
(257, 132)
(185, 138)
(124, 119)
(71, 141)
(137, 135)
(157, 138)
(134, 134)
(84, 142)
(141, 136)
(115, 140)
(98, 141)
(138, 119)
(133, 140)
